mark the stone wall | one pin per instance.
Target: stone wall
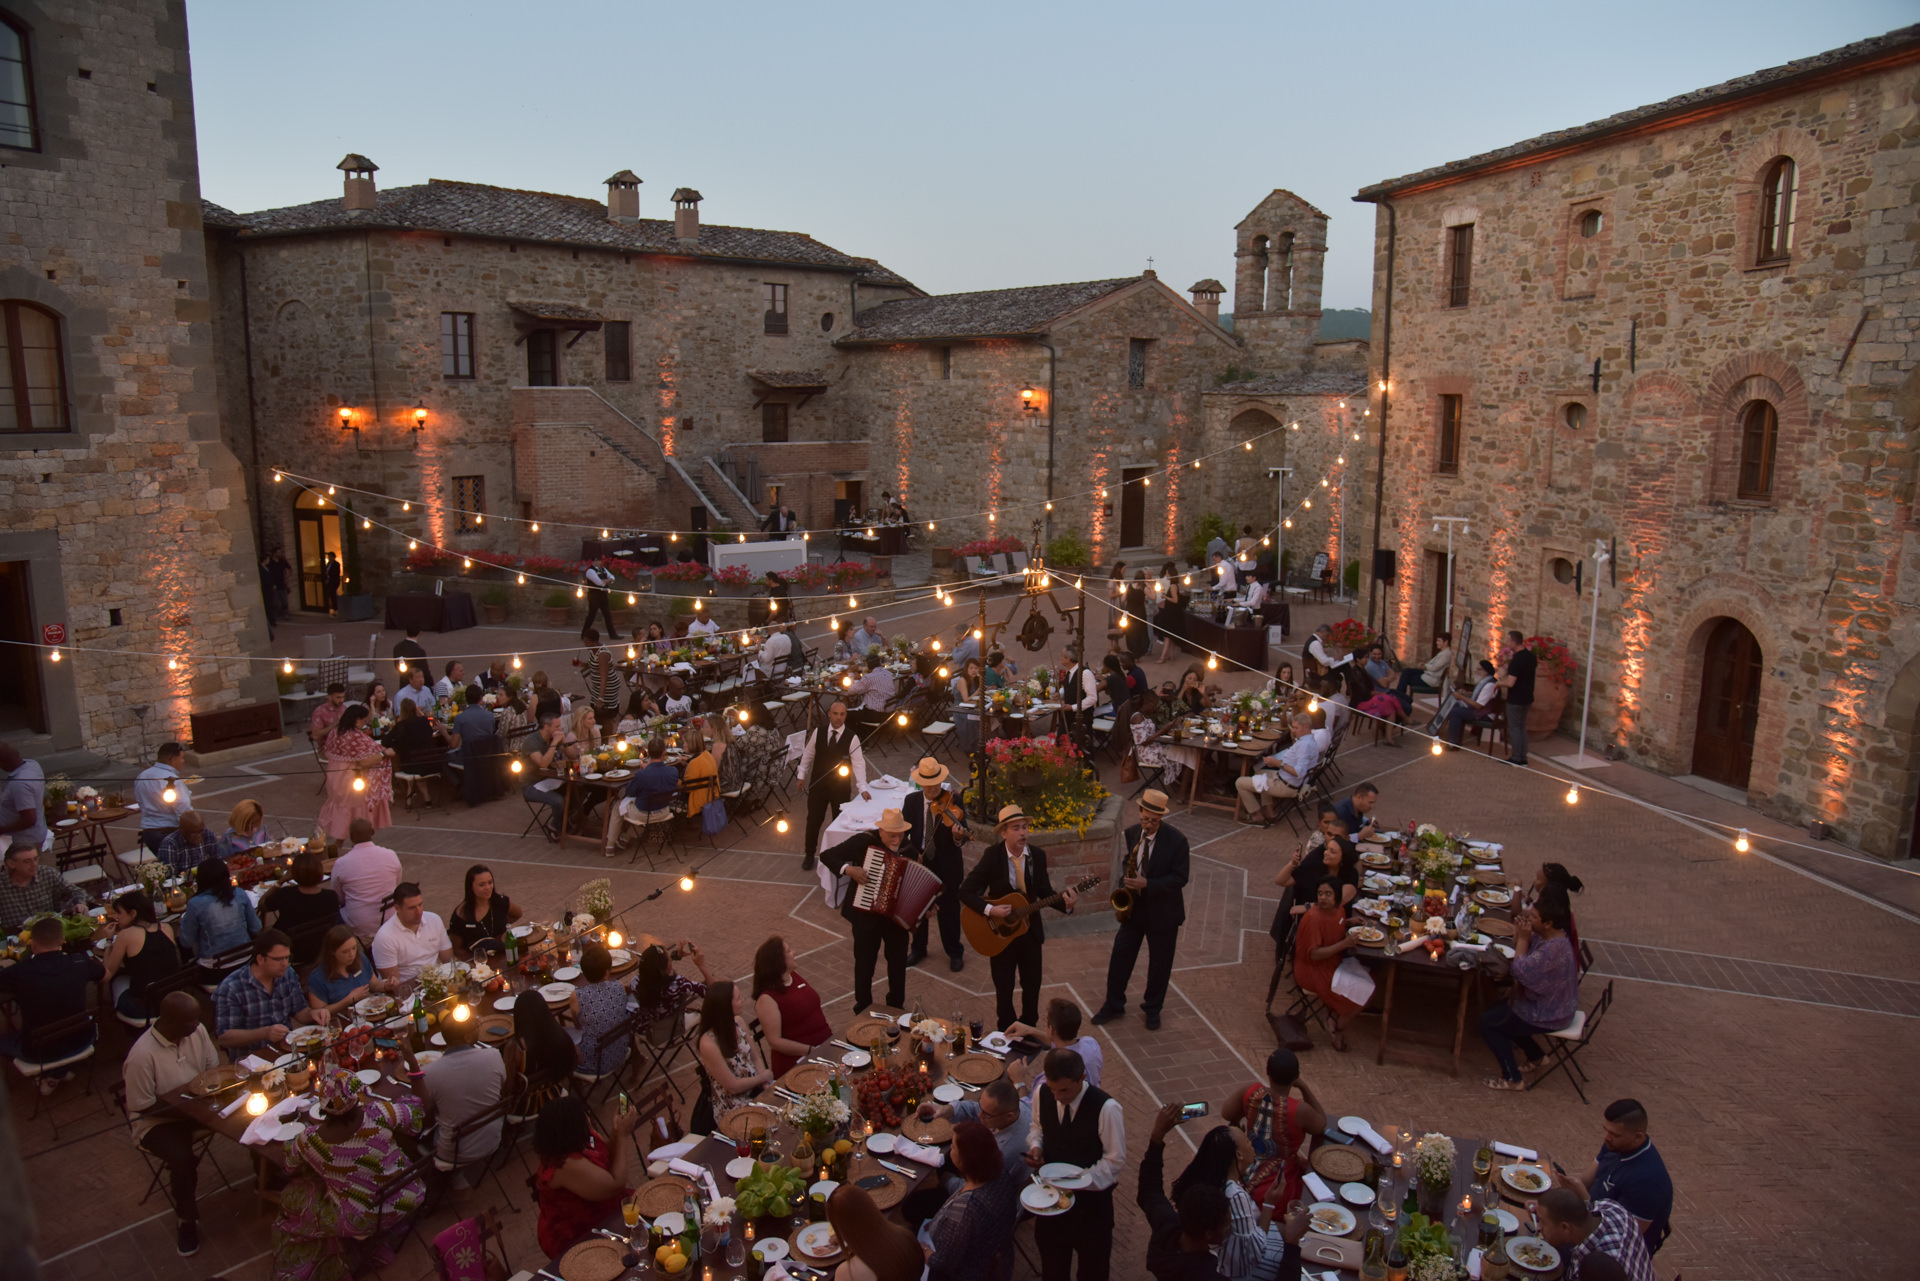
(1321, 447)
(1668, 308)
(135, 522)
(352, 320)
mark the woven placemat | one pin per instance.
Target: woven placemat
(1340, 1164)
(936, 1130)
(594, 1260)
(1497, 928)
(976, 1069)
(861, 1031)
(862, 1165)
(806, 1078)
(737, 1124)
(663, 1195)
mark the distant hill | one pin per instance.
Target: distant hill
(1353, 322)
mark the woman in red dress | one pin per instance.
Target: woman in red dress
(583, 1173)
(788, 1007)
(1317, 948)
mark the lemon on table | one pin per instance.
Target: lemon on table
(675, 1263)
(843, 1146)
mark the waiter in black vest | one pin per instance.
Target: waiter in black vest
(1158, 854)
(1010, 866)
(831, 766)
(1079, 696)
(872, 931)
(942, 852)
(1074, 1122)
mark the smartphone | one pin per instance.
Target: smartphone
(1188, 1111)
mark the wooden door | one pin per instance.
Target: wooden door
(316, 531)
(1133, 506)
(22, 703)
(1729, 705)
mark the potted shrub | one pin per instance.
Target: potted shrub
(493, 604)
(1069, 551)
(559, 606)
(1552, 678)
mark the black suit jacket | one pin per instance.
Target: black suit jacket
(1163, 904)
(992, 878)
(945, 858)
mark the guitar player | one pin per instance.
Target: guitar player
(1010, 867)
(872, 931)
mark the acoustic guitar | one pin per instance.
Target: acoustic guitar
(989, 936)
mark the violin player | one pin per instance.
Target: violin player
(935, 805)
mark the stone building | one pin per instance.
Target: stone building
(124, 526)
(1686, 332)
(465, 362)
(1100, 396)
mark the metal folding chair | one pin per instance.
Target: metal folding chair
(661, 1043)
(1565, 1044)
(156, 1168)
(492, 1162)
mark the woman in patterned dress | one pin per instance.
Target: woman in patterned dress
(337, 1171)
(728, 1060)
(350, 753)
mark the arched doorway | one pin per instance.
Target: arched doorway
(316, 531)
(1730, 673)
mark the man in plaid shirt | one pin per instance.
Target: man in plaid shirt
(257, 1005)
(1578, 1230)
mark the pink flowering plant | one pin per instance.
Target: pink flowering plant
(1047, 778)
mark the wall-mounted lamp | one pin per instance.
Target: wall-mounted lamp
(419, 422)
(1029, 400)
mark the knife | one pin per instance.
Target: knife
(911, 1174)
(846, 1045)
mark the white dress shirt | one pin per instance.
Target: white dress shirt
(1089, 691)
(1256, 594)
(1226, 581)
(1319, 652)
(1105, 1172)
(855, 758)
(702, 627)
(444, 687)
(774, 652)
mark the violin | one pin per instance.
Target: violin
(946, 808)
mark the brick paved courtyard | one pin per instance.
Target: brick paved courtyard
(1767, 1018)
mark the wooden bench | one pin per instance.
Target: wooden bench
(235, 727)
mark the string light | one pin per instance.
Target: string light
(402, 662)
(901, 720)
(276, 478)
(329, 491)
(55, 656)
(630, 654)
(467, 563)
(1249, 446)
(516, 662)
(1741, 842)
(579, 593)
(852, 603)
(536, 526)
(1437, 749)
(170, 795)
(605, 534)
(773, 606)
(686, 884)
(365, 523)
(781, 825)
(173, 664)
(632, 599)
(615, 938)
(287, 666)
(977, 634)
(1049, 505)
(515, 767)
(359, 783)
(1573, 794)
(521, 580)
(929, 527)
(844, 771)
(407, 507)
(942, 672)
(413, 544)
(1213, 662)
(833, 623)
(1313, 705)
(696, 606)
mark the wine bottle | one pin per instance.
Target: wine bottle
(690, 1230)
(1412, 1203)
(1396, 1260)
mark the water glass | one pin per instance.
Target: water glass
(736, 1250)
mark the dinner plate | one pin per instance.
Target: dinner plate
(566, 973)
(1356, 1194)
(1354, 1125)
(620, 956)
(905, 1020)
(770, 1250)
(1040, 1200)
(101, 945)
(592, 778)
(438, 1039)
(813, 1239)
(856, 1059)
(995, 1041)
(372, 1006)
(290, 1130)
(739, 1168)
(504, 1002)
(1493, 897)
(1368, 934)
(428, 1056)
(619, 773)
(520, 931)
(301, 1037)
(880, 1142)
(134, 806)
(367, 1076)
(1504, 950)
(948, 1092)
(823, 1186)
(1330, 1219)
(1063, 1175)
(557, 992)
(1531, 1254)
(1528, 1180)
(673, 1222)
(1509, 1221)
(68, 822)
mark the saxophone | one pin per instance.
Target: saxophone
(1122, 897)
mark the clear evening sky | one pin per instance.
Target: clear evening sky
(967, 146)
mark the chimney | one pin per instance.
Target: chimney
(1206, 298)
(686, 215)
(623, 197)
(359, 170)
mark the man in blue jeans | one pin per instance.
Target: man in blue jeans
(50, 985)
(1519, 686)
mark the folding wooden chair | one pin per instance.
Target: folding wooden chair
(623, 1031)
(223, 964)
(1484, 732)
(488, 1222)
(38, 1058)
(156, 1168)
(661, 1042)
(1565, 1044)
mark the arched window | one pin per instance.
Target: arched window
(1759, 432)
(1280, 288)
(1260, 259)
(33, 385)
(16, 89)
(1776, 212)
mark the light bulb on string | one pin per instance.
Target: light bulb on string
(521, 580)
(479, 519)
(516, 662)
(515, 767)
(365, 523)
(696, 605)
(1573, 793)
(173, 664)
(852, 603)
(55, 656)
(1741, 842)
(942, 673)
(276, 478)
(1213, 662)
(1308, 503)
(579, 593)
(936, 646)
(630, 654)
(1196, 467)
(1049, 505)
(1266, 541)
(359, 782)
(329, 491)
(287, 667)
(1313, 705)
(632, 599)
(1186, 580)
(406, 507)
(605, 535)
(844, 771)
(976, 633)
(1323, 482)
(170, 794)
(901, 720)
(536, 526)
(673, 538)
(686, 884)
(1342, 460)
(1287, 523)
(1103, 493)
(1437, 749)
(1146, 482)
(467, 563)
(929, 527)
(1249, 446)
(833, 624)
(781, 825)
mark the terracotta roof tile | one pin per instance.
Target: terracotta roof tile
(990, 313)
(504, 213)
(1727, 91)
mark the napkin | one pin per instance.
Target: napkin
(914, 1152)
(253, 1065)
(692, 1171)
(271, 1120)
(668, 1151)
(1467, 947)
(1522, 1154)
(124, 889)
(1473, 1263)
(1374, 1141)
(1486, 867)
(1318, 1186)
(234, 1106)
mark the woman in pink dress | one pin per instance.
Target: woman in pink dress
(352, 754)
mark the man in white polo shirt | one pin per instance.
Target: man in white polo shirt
(411, 940)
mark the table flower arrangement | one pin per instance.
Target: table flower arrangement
(1433, 1157)
(595, 900)
(817, 1115)
(1433, 854)
(152, 875)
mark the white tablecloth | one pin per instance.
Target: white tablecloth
(860, 816)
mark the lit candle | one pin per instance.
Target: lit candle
(256, 1104)
(615, 938)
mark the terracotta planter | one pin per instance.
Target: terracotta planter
(493, 613)
(1549, 705)
(557, 615)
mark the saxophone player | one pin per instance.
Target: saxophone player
(1156, 867)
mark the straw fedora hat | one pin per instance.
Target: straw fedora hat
(928, 773)
(1008, 813)
(891, 821)
(1153, 801)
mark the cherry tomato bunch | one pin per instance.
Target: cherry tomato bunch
(883, 1094)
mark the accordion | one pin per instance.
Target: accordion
(897, 888)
